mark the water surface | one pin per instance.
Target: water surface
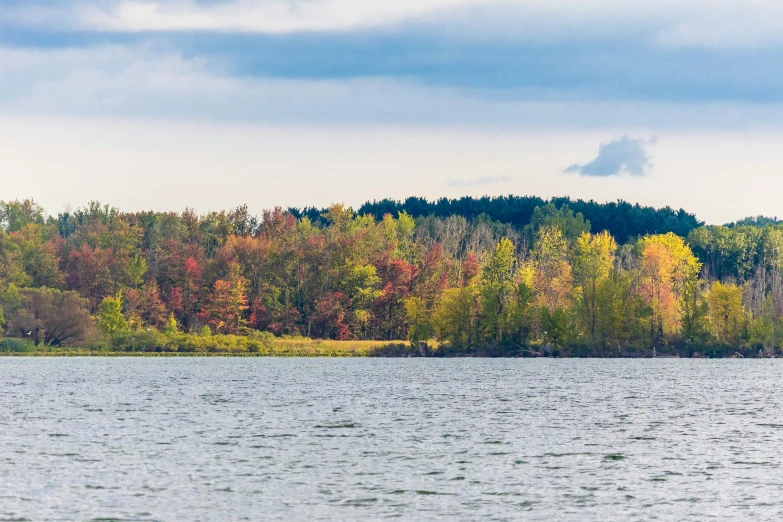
(307, 439)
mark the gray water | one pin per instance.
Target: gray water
(303, 439)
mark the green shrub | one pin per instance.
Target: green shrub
(14, 345)
(267, 339)
(152, 340)
(142, 341)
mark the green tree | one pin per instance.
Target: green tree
(496, 294)
(695, 309)
(454, 317)
(418, 320)
(501, 265)
(11, 264)
(39, 255)
(555, 327)
(726, 312)
(14, 215)
(171, 327)
(571, 225)
(618, 307)
(110, 318)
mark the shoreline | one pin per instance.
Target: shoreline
(227, 346)
(328, 354)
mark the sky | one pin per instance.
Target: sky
(212, 104)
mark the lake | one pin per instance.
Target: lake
(307, 439)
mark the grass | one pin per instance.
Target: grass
(278, 348)
(322, 348)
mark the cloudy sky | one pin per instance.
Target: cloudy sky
(210, 104)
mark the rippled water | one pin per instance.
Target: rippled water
(233, 439)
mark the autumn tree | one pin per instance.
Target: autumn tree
(226, 307)
(429, 284)
(513, 273)
(469, 268)
(189, 293)
(87, 272)
(667, 267)
(154, 312)
(396, 277)
(593, 262)
(330, 318)
(552, 279)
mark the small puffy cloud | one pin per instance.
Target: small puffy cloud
(486, 180)
(624, 156)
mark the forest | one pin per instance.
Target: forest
(505, 276)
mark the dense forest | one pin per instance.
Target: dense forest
(492, 276)
(621, 219)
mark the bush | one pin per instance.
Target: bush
(13, 345)
(267, 339)
(142, 341)
(154, 341)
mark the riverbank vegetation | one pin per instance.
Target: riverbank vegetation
(153, 343)
(491, 276)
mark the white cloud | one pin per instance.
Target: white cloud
(94, 80)
(670, 23)
(666, 23)
(136, 81)
(263, 16)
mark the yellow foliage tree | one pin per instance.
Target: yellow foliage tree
(454, 316)
(552, 274)
(726, 312)
(593, 261)
(667, 267)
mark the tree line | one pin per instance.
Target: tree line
(490, 275)
(621, 219)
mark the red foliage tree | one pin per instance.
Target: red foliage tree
(225, 310)
(154, 312)
(396, 275)
(87, 272)
(329, 318)
(470, 268)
